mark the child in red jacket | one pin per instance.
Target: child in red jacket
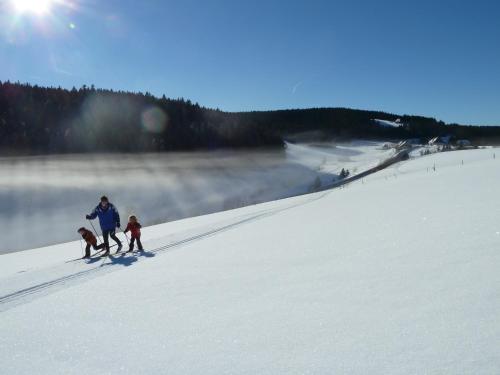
(90, 239)
(135, 232)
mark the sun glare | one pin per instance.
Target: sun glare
(32, 6)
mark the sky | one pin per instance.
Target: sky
(432, 58)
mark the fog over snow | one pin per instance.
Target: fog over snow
(44, 199)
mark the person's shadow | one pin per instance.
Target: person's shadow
(123, 259)
(93, 260)
(146, 254)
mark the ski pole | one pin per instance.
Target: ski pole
(97, 236)
(99, 252)
(128, 241)
(81, 247)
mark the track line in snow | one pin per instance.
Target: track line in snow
(29, 294)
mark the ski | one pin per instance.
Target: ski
(99, 254)
(93, 256)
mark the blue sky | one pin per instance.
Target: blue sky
(439, 59)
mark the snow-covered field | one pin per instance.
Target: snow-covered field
(43, 200)
(394, 274)
(386, 123)
(329, 158)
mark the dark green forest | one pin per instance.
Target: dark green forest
(46, 120)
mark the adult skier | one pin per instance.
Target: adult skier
(109, 220)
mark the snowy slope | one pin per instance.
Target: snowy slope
(394, 274)
(329, 158)
(386, 123)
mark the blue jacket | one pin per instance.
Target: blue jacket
(109, 218)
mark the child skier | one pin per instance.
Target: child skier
(135, 232)
(90, 239)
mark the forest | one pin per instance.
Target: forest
(48, 120)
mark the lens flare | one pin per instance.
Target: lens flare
(154, 120)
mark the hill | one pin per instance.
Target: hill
(41, 120)
(394, 274)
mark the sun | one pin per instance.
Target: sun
(38, 7)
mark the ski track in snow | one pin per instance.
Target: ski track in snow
(117, 261)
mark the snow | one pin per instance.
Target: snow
(387, 123)
(43, 200)
(394, 274)
(329, 158)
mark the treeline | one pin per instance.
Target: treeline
(42, 120)
(345, 123)
(36, 119)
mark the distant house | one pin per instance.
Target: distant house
(433, 141)
(403, 145)
(440, 141)
(407, 144)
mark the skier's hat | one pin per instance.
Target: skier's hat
(104, 199)
(81, 229)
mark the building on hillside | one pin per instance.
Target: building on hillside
(403, 145)
(440, 141)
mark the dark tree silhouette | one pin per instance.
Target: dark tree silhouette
(42, 120)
